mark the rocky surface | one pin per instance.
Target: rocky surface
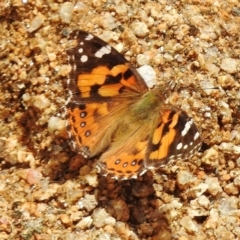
(49, 192)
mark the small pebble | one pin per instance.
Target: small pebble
(213, 186)
(184, 179)
(89, 202)
(41, 102)
(140, 29)
(36, 22)
(189, 225)
(203, 201)
(230, 65)
(84, 223)
(148, 74)
(66, 11)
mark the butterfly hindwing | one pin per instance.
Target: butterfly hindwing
(126, 154)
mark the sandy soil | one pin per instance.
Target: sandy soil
(48, 191)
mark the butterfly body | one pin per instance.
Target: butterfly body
(111, 113)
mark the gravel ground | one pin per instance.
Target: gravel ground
(49, 192)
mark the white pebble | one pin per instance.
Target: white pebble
(184, 179)
(119, 47)
(66, 11)
(189, 225)
(121, 9)
(207, 86)
(229, 146)
(55, 124)
(140, 29)
(148, 74)
(213, 186)
(41, 101)
(108, 21)
(230, 65)
(142, 59)
(36, 22)
(203, 201)
(84, 223)
(200, 189)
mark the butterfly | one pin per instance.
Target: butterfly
(111, 113)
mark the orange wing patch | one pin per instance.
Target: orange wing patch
(110, 81)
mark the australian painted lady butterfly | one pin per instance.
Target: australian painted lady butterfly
(112, 113)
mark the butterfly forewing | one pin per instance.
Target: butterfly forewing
(98, 70)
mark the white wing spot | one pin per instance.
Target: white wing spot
(179, 146)
(89, 37)
(185, 147)
(83, 124)
(87, 133)
(80, 50)
(117, 161)
(196, 136)
(81, 43)
(187, 127)
(125, 164)
(84, 58)
(83, 114)
(103, 50)
(68, 81)
(134, 162)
